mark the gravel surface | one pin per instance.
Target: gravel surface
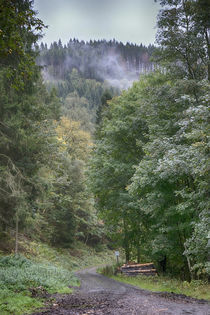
(100, 295)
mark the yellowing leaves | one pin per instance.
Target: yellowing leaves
(75, 141)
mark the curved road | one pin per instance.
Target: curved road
(100, 295)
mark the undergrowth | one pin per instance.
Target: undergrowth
(73, 259)
(20, 278)
(26, 280)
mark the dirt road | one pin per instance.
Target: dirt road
(100, 295)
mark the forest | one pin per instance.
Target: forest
(107, 143)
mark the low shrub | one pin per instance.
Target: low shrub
(109, 270)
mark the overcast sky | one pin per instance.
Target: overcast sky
(125, 20)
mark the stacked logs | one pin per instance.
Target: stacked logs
(134, 269)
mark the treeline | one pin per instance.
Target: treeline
(43, 189)
(97, 60)
(149, 166)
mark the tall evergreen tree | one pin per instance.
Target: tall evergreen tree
(24, 107)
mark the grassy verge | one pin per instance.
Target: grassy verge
(26, 280)
(196, 288)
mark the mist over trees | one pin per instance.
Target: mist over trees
(100, 60)
(83, 71)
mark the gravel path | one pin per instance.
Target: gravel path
(100, 295)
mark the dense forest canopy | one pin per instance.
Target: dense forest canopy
(84, 157)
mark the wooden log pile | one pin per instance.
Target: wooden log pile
(134, 269)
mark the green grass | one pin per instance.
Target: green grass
(42, 269)
(17, 303)
(196, 288)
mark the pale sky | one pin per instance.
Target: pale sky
(125, 20)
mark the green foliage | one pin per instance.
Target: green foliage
(19, 31)
(183, 28)
(108, 270)
(26, 111)
(19, 273)
(13, 17)
(80, 256)
(111, 168)
(78, 109)
(167, 176)
(159, 199)
(17, 303)
(81, 97)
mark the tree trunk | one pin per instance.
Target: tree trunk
(127, 254)
(208, 50)
(16, 235)
(188, 263)
(162, 264)
(126, 242)
(126, 247)
(138, 253)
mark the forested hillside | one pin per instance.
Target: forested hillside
(99, 60)
(84, 72)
